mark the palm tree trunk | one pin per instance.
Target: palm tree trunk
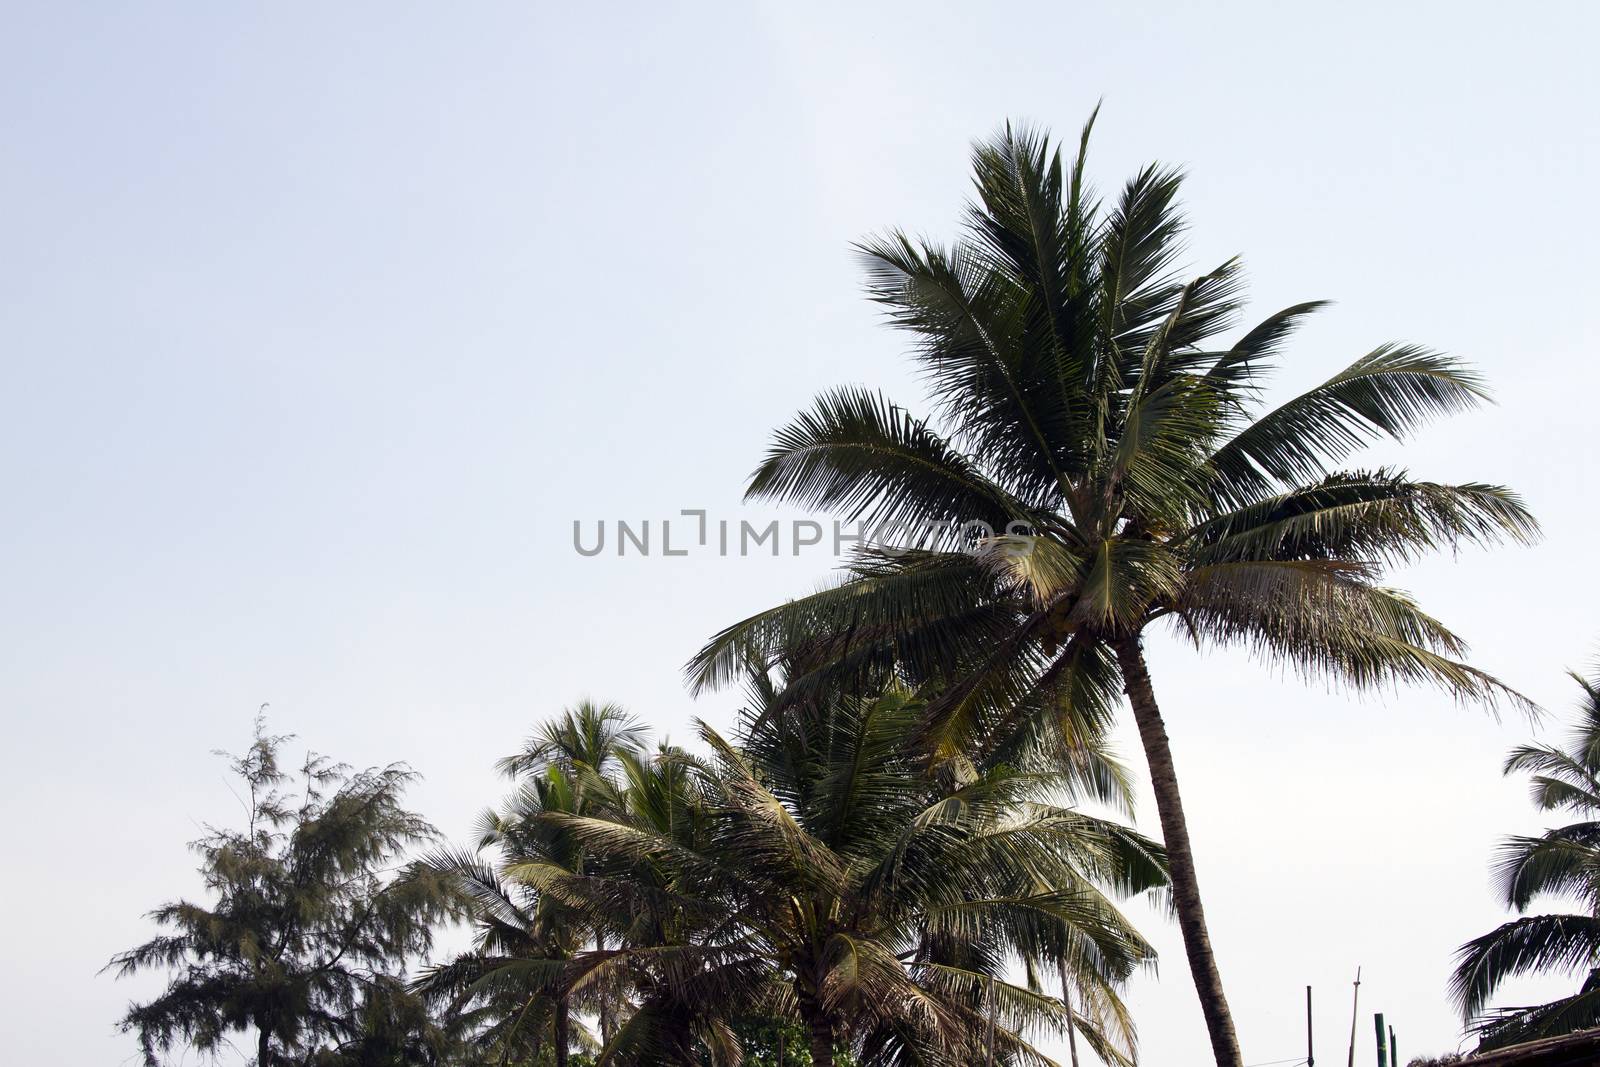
(605, 1001)
(820, 1032)
(821, 1043)
(1072, 1024)
(1180, 858)
(563, 1028)
(263, 1045)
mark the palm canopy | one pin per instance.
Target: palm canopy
(589, 735)
(498, 994)
(1087, 401)
(1563, 862)
(1099, 459)
(816, 871)
(502, 987)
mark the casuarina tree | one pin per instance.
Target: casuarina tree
(311, 913)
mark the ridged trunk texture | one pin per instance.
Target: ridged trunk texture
(563, 1030)
(1180, 857)
(819, 1032)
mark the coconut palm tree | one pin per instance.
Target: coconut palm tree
(591, 741)
(505, 981)
(816, 871)
(503, 992)
(567, 765)
(588, 735)
(1562, 862)
(1100, 462)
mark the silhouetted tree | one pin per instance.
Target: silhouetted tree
(1101, 463)
(312, 914)
(1564, 863)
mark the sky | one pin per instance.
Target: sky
(320, 326)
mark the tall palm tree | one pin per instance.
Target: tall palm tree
(818, 872)
(1562, 862)
(592, 741)
(1101, 463)
(506, 981)
(567, 766)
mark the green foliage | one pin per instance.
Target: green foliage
(389, 1027)
(1082, 392)
(813, 873)
(1563, 862)
(764, 1038)
(887, 863)
(306, 930)
(512, 994)
(1098, 460)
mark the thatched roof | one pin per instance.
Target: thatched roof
(1570, 1050)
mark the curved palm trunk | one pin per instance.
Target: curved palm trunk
(1180, 858)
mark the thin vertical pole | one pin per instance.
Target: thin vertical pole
(1072, 1022)
(1383, 1046)
(1394, 1050)
(781, 1036)
(1311, 1057)
(1355, 1002)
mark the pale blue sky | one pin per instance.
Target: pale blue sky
(321, 323)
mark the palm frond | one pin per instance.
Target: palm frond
(856, 454)
(1391, 391)
(1532, 943)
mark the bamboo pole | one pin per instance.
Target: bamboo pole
(1383, 1046)
(1355, 1002)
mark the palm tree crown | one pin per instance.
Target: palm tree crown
(815, 871)
(1100, 460)
(1562, 862)
(509, 982)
